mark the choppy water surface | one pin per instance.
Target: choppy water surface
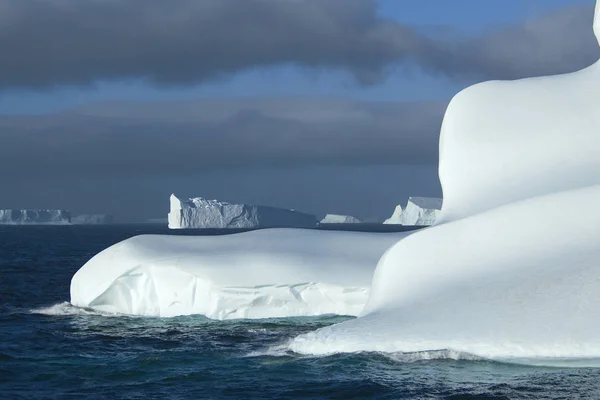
(49, 349)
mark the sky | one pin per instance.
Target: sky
(325, 106)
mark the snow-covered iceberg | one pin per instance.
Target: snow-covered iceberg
(396, 218)
(512, 268)
(200, 213)
(257, 274)
(421, 211)
(340, 219)
(35, 217)
(92, 219)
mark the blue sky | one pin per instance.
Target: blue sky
(469, 17)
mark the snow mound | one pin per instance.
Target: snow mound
(200, 213)
(396, 218)
(513, 269)
(34, 217)
(421, 211)
(339, 219)
(257, 274)
(92, 219)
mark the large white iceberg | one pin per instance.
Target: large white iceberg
(421, 211)
(258, 274)
(512, 268)
(340, 219)
(200, 213)
(35, 217)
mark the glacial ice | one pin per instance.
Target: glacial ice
(396, 218)
(34, 217)
(257, 274)
(92, 219)
(421, 211)
(512, 268)
(340, 219)
(200, 213)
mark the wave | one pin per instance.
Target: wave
(67, 309)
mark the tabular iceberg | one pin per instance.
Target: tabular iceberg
(512, 269)
(35, 217)
(199, 213)
(257, 274)
(92, 219)
(339, 219)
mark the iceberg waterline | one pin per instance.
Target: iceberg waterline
(512, 269)
(258, 274)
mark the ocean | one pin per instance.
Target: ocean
(51, 350)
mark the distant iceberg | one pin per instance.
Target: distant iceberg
(92, 219)
(200, 213)
(396, 218)
(35, 217)
(419, 211)
(339, 219)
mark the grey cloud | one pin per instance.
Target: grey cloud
(57, 42)
(136, 141)
(181, 41)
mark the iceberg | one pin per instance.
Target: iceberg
(396, 218)
(511, 270)
(35, 217)
(339, 219)
(257, 274)
(92, 219)
(421, 211)
(200, 213)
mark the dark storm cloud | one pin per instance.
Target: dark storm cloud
(182, 41)
(55, 42)
(248, 135)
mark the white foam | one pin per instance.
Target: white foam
(67, 309)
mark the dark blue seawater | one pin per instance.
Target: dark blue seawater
(50, 350)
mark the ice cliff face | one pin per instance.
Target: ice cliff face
(339, 219)
(395, 219)
(421, 211)
(41, 217)
(200, 213)
(92, 219)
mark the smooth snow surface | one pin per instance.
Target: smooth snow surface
(200, 213)
(91, 219)
(258, 274)
(421, 211)
(34, 217)
(339, 219)
(513, 269)
(396, 218)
